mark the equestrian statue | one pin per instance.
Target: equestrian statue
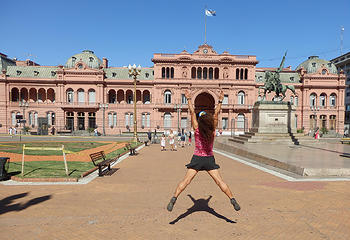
(273, 84)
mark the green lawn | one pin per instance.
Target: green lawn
(55, 169)
(49, 169)
(68, 146)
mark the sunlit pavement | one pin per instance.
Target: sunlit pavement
(131, 204)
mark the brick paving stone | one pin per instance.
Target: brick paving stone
(131, 204)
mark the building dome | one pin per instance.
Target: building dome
(313, 63)
(87, 56)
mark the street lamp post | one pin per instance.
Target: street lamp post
(24, 105)
(134, 72)
(103, 106)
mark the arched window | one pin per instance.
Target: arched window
(51, 95)
(246, 74)
(291, 100)
(211, 73)
(163, 72)
(241, 96)
(333, 100)
(13, 118)
(193, 72)
(205, 73)
(323, 100)
(14, 95)
(167, 96)
(237, 73)
(167, 120)
(146, 97)
(92, 96)
(296, 101)
(240, 121)
(145, 120)
(70, 95)
(33, 95)
(92, 120)
(114, 119)
(110, 119)
(81, 96)
(129, 97)
(41, 95)
(24, 95)
(332, 122)
(172, 72)
(241, 76)
(120, 96)
(312, 100)
(199, 73)
(51, 118)
(167, 72)
(216, 73)
(111, 96)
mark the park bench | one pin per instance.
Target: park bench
(99, 160)
(131, 149)
(146, 142)
(345, 140)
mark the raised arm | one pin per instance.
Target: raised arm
(218, 108)
(194, 122)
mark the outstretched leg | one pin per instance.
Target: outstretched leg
(223, 186)
(191, 173)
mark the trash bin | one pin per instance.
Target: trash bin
(4, 166)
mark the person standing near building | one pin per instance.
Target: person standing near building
(189, 137)
(172, 140)
(95, 132)
(203, 158)
(149, 135)
(10, 132)
(162, 142)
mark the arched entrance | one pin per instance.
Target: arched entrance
(204, 102)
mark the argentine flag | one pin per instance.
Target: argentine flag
(210, 13)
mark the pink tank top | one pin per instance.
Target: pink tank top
(202, 146)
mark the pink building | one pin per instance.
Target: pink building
(68, 97)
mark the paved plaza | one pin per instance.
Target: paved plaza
(131, 204)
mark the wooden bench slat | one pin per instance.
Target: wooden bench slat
(99, 159)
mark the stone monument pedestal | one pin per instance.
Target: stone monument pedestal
(274, 118)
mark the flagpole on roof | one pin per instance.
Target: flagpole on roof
(341, 39)
(205, 26)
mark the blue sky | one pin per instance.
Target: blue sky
(49, 32)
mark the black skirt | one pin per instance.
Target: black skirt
(201, 163)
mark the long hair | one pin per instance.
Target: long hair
(206, 126)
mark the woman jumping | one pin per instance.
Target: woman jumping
(203, 159)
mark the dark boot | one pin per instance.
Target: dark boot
(235, 204)
(171, 204)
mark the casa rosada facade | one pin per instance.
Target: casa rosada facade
(86, 93)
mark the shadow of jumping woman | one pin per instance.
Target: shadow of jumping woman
(200, 205)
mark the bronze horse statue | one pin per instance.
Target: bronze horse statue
(273, 83)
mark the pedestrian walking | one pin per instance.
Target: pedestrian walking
(149, 135)
(162, 143)
(190, 138)
(10, 131)
(172, 140)
(203, 158)
(95, 132)
(183, 139)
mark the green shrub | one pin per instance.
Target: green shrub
(300, 130)
(324, 130)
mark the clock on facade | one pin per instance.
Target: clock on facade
(205, 50)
